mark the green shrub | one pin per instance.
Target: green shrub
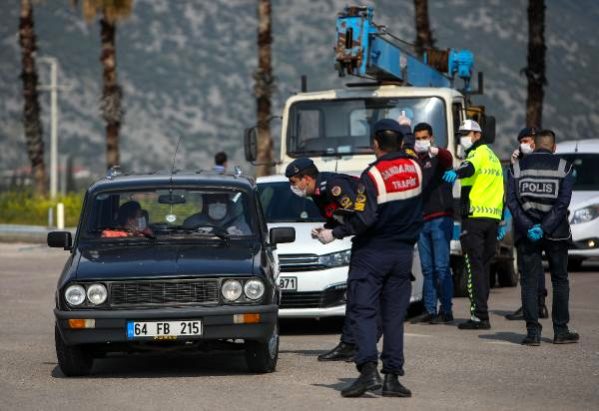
(23, 207)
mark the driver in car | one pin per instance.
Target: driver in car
(132, 222)
(218, 211)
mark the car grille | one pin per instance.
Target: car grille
(330, 297)
(299, 262)
(167, 293)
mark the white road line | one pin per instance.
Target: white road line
(417, 335)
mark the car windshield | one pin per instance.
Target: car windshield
(281, 205)
(342, 127)
(587, 170)
(179, 213)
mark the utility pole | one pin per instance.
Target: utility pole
(53, 88)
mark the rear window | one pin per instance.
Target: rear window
(281, 205)
(586, 166)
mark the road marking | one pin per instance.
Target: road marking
(416, 335)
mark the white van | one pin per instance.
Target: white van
(584, 207)
(313, 276)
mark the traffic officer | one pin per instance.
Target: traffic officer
(385, 220)
(481, 209)
(526, 144)
(330, 191)
(540, 189)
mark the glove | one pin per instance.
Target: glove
(450, 176)
(501, 233)
(535, 233)
(314, 232)
(433, 151)
(325, 236)
(515, 155)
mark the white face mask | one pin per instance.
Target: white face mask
(217, 211)
(525, 148)
(422, 146)
(298, 191)
(466, 142)
(141, 223)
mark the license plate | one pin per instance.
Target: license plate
(288, 283)
(164, 329)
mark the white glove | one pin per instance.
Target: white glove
(325, 236)
(404, 120)
(315, 231)
(433, 151)
(515, 155)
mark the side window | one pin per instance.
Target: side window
(308, 126)
(457, 111)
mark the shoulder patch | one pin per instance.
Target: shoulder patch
(336, 191)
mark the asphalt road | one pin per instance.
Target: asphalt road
(445, 368)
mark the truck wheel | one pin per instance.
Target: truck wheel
(74, 361)
(262, 356)
(460, 278)
(507, 271)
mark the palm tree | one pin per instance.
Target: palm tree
(535, 70)
(110, 13)
(424, 35)
(263, 88)
(32, 124)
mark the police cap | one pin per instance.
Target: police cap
(387, 124)
(297, 166)
(528, 132)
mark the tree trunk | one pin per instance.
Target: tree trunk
(263, 88)
(535, 71)
(31, 107)
(110, 104)
(424, 35)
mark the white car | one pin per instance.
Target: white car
(313, 276)
(584, 207)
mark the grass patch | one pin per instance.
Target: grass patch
(23, 207)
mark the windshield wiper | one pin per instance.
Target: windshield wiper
(215, 232)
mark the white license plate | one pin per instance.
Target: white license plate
(288, 283)
(164, 329)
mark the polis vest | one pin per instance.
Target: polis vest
(485, 187)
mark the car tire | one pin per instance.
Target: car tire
(74, 361)
(460, 277)
(507, 271)
(575, 264)
(262, 356)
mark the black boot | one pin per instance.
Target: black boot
(393, 388)
(342, 352)
(369, 380)
(475, 325)
(543, 312)
(517, 315)
(567, 337)
(533, 336)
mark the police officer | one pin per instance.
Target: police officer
(526, 145)
(330, 191)
(385, 221)
(481, 208)
(540, 189)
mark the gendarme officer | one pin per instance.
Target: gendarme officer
(540, 189)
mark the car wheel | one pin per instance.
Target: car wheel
(507, 271)
(574, 264)
(262, 356)
(460, 277)
(74, 361)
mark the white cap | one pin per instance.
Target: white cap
(470, 125)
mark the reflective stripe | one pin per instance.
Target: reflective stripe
(559, 173)
(383, 196)
(531, 205)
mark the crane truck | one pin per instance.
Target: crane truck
(332, 127)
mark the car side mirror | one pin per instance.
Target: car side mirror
(60, 239)
(282, 235)
(250, 144)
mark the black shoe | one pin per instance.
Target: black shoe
(517, 315)
(393, 388)
(543, 312)
(442, 318)
(369, 380)
(342, 352)
(475, 325)
(568, 337)
(423, 318)
(533, 337)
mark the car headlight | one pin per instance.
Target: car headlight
(253, 289)
(337, 259)
(231, 290)
(586, 214)
(96, 294)
(75, 295)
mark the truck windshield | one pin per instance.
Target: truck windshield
(281, 205)
(587, 170)
(177, 213)
(342, 127)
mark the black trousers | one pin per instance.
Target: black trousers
(479, 241)
(556, 253)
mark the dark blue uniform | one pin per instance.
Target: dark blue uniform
(540, 189)
(386, 222)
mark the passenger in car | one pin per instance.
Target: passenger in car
(132, 221)
(218, 211)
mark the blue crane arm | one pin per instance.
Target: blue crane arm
(363, 49)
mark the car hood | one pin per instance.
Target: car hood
(155, 261)
(305, 244)
(583, 198)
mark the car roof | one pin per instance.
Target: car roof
(121, 181)
(590, 145)
(278, 178)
